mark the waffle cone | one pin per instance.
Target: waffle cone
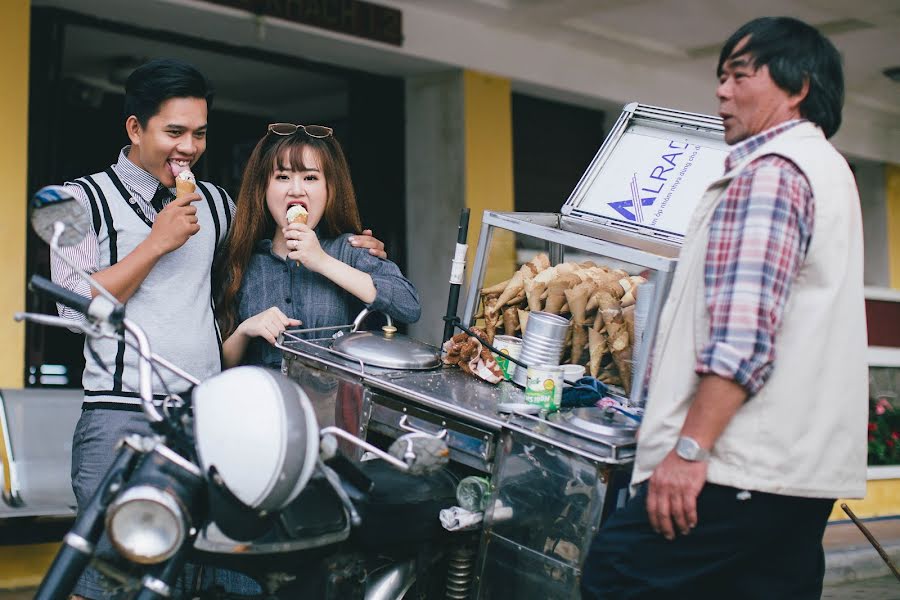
(184, 187)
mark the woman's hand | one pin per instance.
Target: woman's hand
(303, 246)
(267, 325)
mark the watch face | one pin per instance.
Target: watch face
(689, 449)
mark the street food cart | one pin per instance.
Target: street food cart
(554, 477)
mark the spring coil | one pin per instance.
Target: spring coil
(460, 572)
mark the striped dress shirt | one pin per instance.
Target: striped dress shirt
(86, 255)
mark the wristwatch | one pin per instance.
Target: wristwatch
(688, 449)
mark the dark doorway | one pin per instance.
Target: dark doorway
(553, 144)
(76, 127)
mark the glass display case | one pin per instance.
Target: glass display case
(605, 261)
(548, 501)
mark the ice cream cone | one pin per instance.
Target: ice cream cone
(297, 214)
(185, 184)
(183, 188)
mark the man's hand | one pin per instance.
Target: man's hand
(175, 224)
(672, 495)
(676, 483)
(366, 240)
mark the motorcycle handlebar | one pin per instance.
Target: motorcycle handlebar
(60, 294)
(84, 305)
(97, 309)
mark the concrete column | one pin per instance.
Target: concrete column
(870, 178)
(458, 153)
(435, 190)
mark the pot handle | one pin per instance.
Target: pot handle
(365, 313)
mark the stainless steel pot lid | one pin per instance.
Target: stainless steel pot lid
(387, 349)
(600, 421)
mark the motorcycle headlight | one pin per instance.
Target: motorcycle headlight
(145, 524)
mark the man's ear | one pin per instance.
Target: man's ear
(134, 130)
(797, 99)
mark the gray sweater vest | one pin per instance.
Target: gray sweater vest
(173, 304)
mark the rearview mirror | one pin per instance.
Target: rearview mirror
(55, 204)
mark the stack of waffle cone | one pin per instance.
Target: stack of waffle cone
(599, 300)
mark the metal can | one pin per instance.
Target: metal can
(474, 493)
(508, 345)
(543, 386)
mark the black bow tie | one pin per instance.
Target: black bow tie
(162, 197)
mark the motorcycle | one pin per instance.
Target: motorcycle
(273, 498)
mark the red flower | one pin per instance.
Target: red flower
(889, 443)
(895, 435)
(872, 427)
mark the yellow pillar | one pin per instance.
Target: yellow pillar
(19, 565)
(24, 566)
(14, 50)
(892, 202)
(487, 114)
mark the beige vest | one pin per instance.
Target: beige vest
(804, 433)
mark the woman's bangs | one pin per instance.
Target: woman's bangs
(289, 155)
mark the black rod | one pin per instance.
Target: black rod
(457, 271)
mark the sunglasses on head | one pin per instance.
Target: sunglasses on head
(313, 131)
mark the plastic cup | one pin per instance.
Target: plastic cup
(572, 373)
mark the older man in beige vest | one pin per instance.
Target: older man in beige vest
(757, 402)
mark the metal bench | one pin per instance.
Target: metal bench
(36, 428)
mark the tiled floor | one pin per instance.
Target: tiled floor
(882, 588)
(847, 535)
(837, 537)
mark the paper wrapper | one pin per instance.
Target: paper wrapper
(491, 318)
(472, 357)
(516, 286)
(510, 320)
(577, 299)
(597, 346)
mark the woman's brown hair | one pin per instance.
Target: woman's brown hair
(252, 221)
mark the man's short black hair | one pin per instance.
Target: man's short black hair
(156, 81)
(795, 52)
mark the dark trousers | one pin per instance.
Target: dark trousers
(766, 547)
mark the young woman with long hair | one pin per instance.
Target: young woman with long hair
(277, 274)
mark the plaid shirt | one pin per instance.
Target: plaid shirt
(758, 238)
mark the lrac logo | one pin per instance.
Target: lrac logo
(642, 199)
